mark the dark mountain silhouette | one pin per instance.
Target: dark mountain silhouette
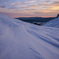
(35, 20)
(57, 15)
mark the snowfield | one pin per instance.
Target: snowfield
(53, 23)
(20, 40)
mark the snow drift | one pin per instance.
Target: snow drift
(53, 23)
(20, 40)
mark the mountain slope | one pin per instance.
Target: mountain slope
(20, 40)
(53, 23)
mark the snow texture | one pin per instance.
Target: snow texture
(20, 40)
(53, 23)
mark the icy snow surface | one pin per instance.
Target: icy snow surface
(20, 40)
(53, 23)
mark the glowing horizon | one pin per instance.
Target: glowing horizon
(29, 8)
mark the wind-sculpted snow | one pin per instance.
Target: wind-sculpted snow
(53, 23)
(20, 40)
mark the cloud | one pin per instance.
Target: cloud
(54, 6)
(18, 3)
(33, 8)
(5, 1)
(36, 5)
(38, 12)
(30, 9)
(25, 6)
(2, 6)
(29, 2)
(55, 3)
(29, 6)
(12, 8)
(17, 14)
(45, 6)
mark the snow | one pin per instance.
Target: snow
(20, 40)
(53, 23)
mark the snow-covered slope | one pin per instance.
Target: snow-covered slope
(20, 40)
(53, 23)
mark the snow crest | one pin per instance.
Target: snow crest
(53, 23)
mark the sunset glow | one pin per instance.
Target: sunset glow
(29, 8)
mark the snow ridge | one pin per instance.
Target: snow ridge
(53, 23)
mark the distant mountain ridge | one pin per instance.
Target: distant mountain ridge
(35, 19)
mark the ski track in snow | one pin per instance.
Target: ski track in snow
(20, 40)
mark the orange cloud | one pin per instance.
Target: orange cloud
(29, 2)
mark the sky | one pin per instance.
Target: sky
(29, 8)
